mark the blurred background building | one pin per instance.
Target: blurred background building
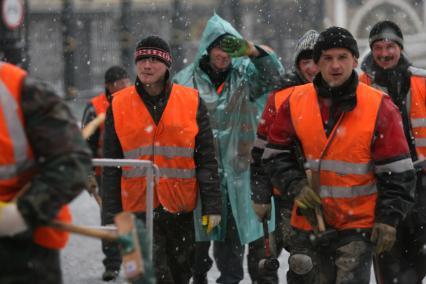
(71, 43)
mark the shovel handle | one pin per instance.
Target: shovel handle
(85, 231)
(377, 271)
(98, 199)
(266, 237)
(320, 219)
(92, 126)
(315, 184)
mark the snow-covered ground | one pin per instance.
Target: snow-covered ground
(82, 258)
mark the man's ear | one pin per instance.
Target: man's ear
(108, 86)
(355, 62)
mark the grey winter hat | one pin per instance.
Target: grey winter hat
(305, 46)
(386, 30)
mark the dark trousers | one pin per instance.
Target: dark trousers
(348, 264)
(228, 255)
(255, 254)
(346, 261)
(112, 260)
(23, 262)
(406, 262)
(173, 251)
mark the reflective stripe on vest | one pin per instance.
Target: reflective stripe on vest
(16, 162)
(16, 155)
(418, 122)
(347, 182)
(19, 143)
(164, 172)
(169, 152)
(347, 192)
(170, 145)
(340, 167)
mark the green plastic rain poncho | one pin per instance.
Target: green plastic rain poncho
(234, 115)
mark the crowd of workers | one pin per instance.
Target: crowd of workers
(328, 163)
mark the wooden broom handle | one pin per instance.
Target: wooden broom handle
(85, 231)
(320, 219)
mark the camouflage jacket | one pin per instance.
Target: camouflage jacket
(61, 154)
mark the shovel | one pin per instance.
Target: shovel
(131, 235)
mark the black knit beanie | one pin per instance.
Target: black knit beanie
(335, 37)
(115, 73)
(154, 46)
(386, 30)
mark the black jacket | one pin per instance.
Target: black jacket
(204, 156)
(260, 183)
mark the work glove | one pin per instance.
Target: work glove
(235, 47)
(307, 198)
(11, 221)
(263, 211)
(210, 221)
(384, 236)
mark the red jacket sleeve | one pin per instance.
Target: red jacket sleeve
(389, 127)
(282, 132)
(268, 117)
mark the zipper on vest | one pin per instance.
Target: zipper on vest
(156, 120)
(329, 139)
(154, 139)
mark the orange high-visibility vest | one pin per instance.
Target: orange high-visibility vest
(417, 111)
(347, 182)
(281, 96)
(170, 145)
(17, 164)
(100, 104)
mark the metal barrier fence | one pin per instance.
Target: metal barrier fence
(151, 173)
